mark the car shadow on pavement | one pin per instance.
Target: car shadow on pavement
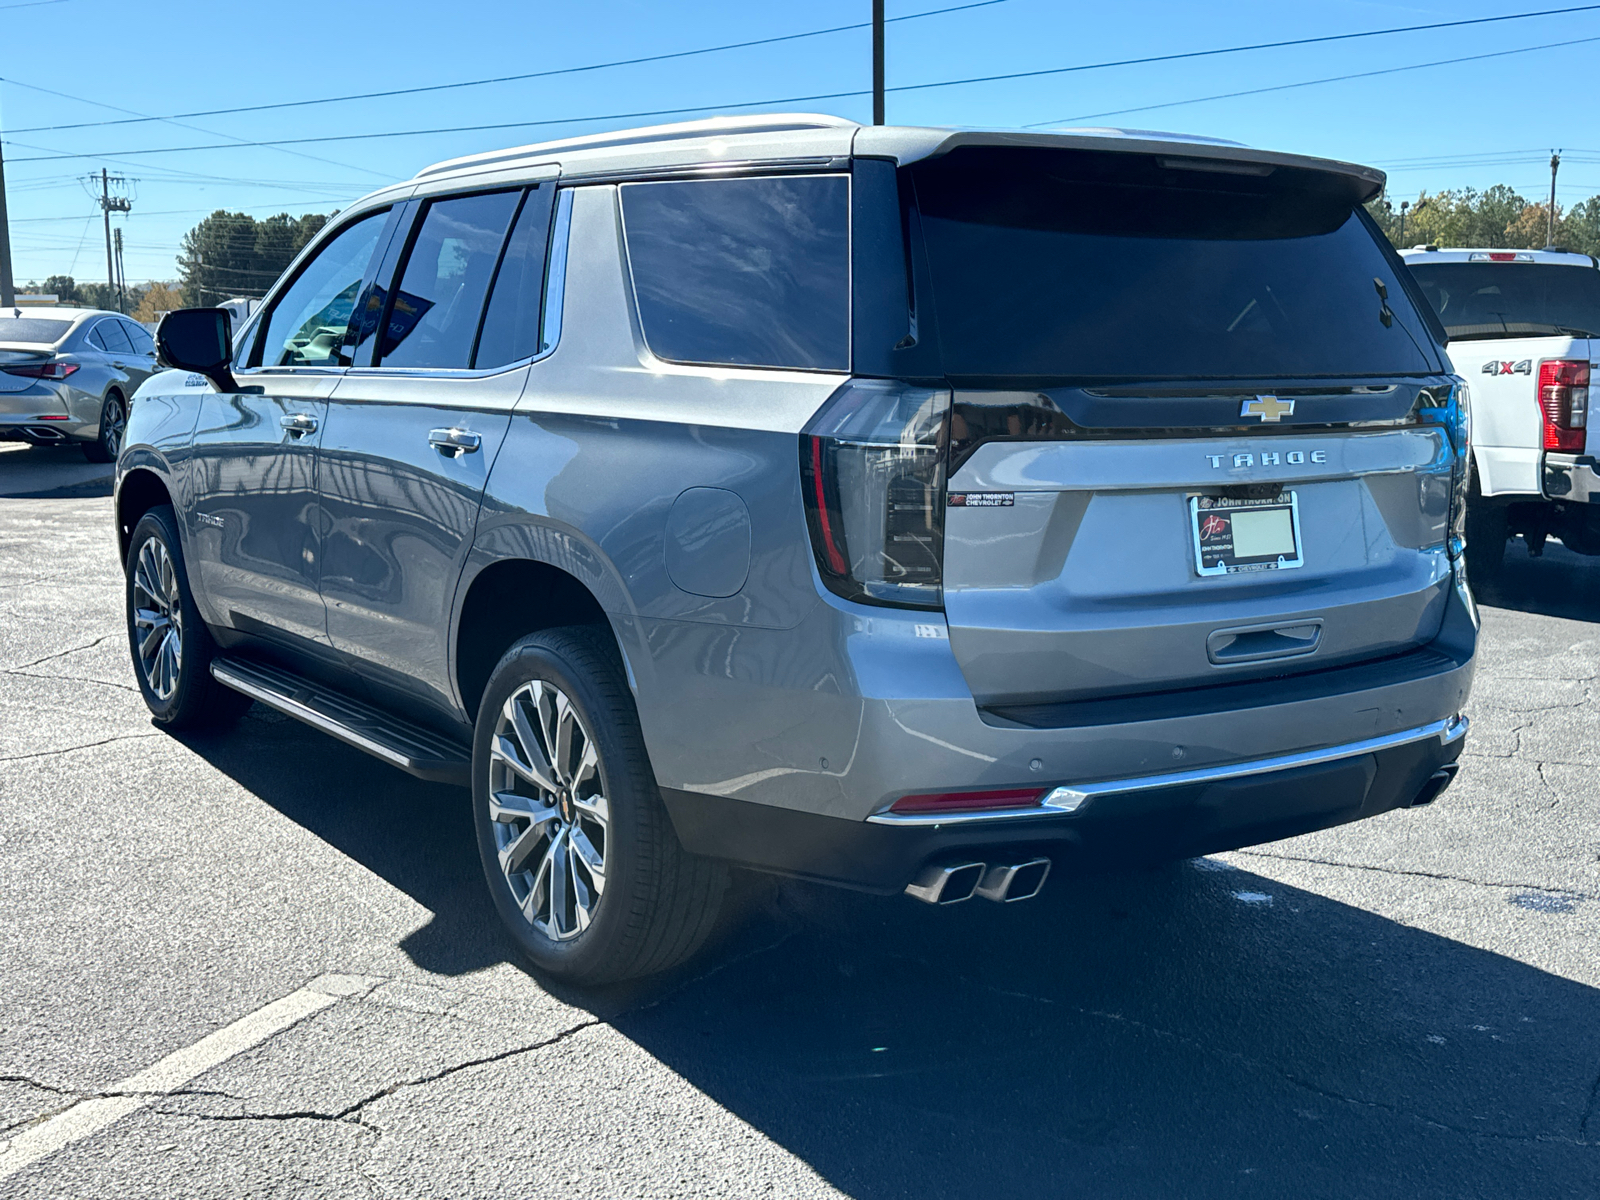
(1191, 1031)
(51, 473)
(1559, 583)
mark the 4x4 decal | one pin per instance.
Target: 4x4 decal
(1495, 367)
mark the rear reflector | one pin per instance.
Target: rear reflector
(1564, 403)
(967, 801)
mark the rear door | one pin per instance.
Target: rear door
(410, 438)
(1188, 440)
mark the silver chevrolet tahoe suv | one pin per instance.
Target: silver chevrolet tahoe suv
(914, 510)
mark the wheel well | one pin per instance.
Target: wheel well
(140, 492)
(507, 601)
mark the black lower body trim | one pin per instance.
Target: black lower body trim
(1123, 829)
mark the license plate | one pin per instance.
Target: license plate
(1235, 536)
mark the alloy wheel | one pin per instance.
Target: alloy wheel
(113, 423)
(548, 804)
(158, 618)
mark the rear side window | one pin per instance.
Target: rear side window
(110, 335)
(433, 319)
(1490, 300)
(1086, 265)
(743, 272)
(511, 322)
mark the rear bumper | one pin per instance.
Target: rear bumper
(1570, 478)
(1149, 818)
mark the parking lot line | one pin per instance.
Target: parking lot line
(92, 1114)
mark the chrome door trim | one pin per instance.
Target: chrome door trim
(1074, 798)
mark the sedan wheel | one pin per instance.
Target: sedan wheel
(551, 816)
(157, 619)
(113, 424)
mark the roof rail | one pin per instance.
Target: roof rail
(760, 123)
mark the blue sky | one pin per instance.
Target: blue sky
(1474, 123)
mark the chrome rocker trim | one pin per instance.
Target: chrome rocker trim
(1074, 798)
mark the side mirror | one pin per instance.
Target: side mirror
(198, 340)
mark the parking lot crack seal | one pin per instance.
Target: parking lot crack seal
(123, 737)
(1442, 876)
(59, 654)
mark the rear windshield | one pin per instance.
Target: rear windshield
(1489, 300)
(32, 329)
(1088, 265)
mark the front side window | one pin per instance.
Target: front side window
(142, 342)
(308, 324)
(743, 272)
(433, 318)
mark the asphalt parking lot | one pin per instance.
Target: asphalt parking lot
(264, 965)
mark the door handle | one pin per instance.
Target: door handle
(454, 442)
(298, 424)
(119, 366)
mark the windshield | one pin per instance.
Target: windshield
(32, 330)
(1486, 300)
(1090, 265)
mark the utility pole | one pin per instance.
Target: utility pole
(108, 205)
(8, 285)
(877, 62)
(1404, 204)
(122, 278)
(1550, 228)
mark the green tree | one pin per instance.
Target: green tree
(232, 254)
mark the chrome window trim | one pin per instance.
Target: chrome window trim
(555, 281)
(1083, 796)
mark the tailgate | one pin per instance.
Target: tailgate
(1071, 567)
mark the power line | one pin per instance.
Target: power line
(1284, 87)
(663, 112)
(467, 83)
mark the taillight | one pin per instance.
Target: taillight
(1564, 403)
(872, 463)
(51, 370)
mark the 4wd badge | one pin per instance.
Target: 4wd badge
(1496, 367)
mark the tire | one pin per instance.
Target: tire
(113, 422)
(1486, 535)
(581, 858)
(170, 645)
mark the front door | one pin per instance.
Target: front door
(254, 538)
(410, 439)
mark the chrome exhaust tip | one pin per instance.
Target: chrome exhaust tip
(946, 883)
(1434, 788)
(1007, 884)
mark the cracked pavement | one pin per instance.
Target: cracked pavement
(1406, 1007)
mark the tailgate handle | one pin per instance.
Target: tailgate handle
(1259, 643)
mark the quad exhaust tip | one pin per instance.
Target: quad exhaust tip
(1004, 883)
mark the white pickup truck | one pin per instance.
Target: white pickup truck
(1524, 326)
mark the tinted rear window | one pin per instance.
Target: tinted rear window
(32, 329)
(743, 272)
(1496, 299)
(1087, 265)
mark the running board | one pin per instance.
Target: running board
(400, 743)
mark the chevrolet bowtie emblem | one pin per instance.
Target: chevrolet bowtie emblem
(1268, 408)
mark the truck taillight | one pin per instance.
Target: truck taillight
(1564, 403)
(872, 463)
